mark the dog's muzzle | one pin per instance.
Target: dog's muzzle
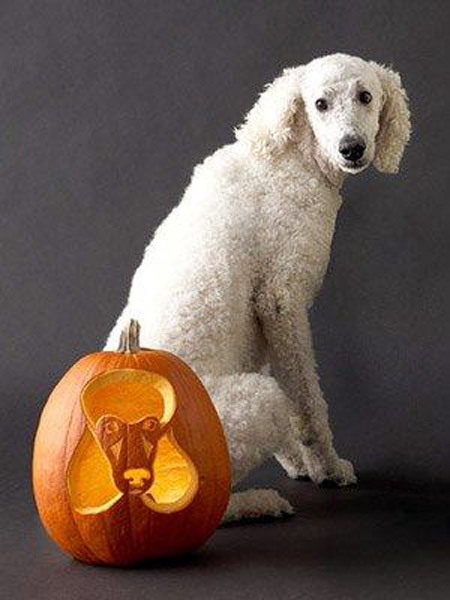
(352, 148)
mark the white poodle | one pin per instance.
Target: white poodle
(229, 276)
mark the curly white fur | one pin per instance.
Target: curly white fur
(252, 504)
(229, 276)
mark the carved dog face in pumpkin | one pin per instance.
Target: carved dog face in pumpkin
(128, 446)
(131, 450)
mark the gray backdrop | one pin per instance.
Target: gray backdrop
(106, 106)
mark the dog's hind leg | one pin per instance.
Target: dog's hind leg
(255, 416)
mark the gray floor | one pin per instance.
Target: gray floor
(376, 541)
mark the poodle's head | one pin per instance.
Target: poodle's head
(344, 111)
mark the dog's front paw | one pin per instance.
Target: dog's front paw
(338, 470)
(342, 473)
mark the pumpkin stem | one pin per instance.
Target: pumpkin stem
(129, 338)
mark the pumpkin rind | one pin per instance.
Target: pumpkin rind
(129, 531)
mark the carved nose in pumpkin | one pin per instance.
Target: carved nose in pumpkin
(137, 478)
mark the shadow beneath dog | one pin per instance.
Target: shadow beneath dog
(377, 524)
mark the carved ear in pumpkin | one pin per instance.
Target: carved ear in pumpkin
(175, 478)
(129, 394)
(90, 480)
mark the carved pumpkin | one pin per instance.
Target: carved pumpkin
(130, 461)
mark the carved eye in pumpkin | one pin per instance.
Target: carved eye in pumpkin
(109, 430)
(150, 424)
(111, 427)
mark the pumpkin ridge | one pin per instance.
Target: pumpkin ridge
(87, 548)
(202, 407)
(66, 462)
(205, 409)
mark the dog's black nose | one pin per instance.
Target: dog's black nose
(352, 147)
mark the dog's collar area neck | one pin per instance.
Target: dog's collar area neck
(316, 163)
(333, 176)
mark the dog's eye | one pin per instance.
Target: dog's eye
(365, 97)
(321, 104)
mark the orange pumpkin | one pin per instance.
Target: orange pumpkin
(130, 461)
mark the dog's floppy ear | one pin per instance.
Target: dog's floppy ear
(395, 125)
(276, 119)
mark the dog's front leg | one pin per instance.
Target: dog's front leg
(287, 330)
